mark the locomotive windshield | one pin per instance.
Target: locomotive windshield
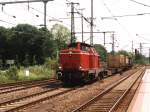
(83, 46)
(73, 45)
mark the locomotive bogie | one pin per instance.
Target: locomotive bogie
(79, 76)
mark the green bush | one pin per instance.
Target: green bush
(33, 75)
(37, 72)
(5, 78)
(11, 73)
(51, 64)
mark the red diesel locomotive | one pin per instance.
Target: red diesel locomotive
(79, 62)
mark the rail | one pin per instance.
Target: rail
(107, 90)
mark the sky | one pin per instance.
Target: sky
(126, 28)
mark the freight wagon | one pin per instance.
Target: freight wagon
(118, 63)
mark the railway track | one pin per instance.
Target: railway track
(20, 83)
(26, 85)
(109, 98)
(24, 102)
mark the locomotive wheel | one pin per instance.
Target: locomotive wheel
(100, 76)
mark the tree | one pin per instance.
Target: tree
(3, 39)
(3, 44)
(28, 45)
(61, 35)
(123, 52)
(49, 45)
(28, 40)
(140, 59)
(101, 51)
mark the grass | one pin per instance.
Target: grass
(37, 72)
(5, 79)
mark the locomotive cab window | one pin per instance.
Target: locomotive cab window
(72, 46)
(81, 46)
(84, 47)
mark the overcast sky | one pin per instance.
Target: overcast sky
(127, 29)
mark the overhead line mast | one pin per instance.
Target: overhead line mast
(72, 21)
(149, 55)
(90, 22)
(29, 1)
(91, 36)
(104, 33)
(26, 1)
(82, 23)
(113, 44)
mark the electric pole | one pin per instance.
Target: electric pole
(82, 22)
(91, 36)
(113, 44)
(141, 48)
(45, 10)
(72, 21)
(104, 33)
(149, 55)
(28, 1)
(132, 47)
(104, 37)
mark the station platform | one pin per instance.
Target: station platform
(141, 99)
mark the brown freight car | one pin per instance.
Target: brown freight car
(116, 63)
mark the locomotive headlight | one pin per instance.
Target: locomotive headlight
(70, 53)
(80, 67)
(59, 67)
